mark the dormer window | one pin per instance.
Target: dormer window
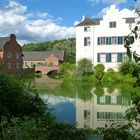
(87, 29)
(9, 55)
(112, 24)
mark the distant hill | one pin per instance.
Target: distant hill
(68, 45)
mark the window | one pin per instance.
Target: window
(110, 115)
(102, 57)
(102, 40)
(9, 65)
(114, 57)
(17, 65)
(113, 100)
(87, 29)
(17, 55)
(108, 57)
(98, 57)
(110, 40)
(112, 24)
(86, 114)
(9, 55)
(119, 57)
(102, 99)
(86, 41)
(114, 40)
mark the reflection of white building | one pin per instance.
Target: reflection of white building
(101, 40)
(100, 110)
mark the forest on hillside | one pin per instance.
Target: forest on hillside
(68, 45)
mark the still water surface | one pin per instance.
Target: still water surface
(84, 103)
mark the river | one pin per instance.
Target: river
(85, 103)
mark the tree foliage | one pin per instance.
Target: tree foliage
(128, 67)
(68, 45)
(84, 66)
(25, 116)
(99, 72)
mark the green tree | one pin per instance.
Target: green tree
(128, 67)
(68, 45)
(25, 116)
(99, 72)
(84, 67)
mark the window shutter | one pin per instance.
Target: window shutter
(107, 40)
(120, 40)
(108, 57)
(98, 42)
(119, 57)
(98, 57)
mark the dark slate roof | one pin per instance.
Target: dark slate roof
(3, 40)
(41, 56)
(88, 21)
(130, 20)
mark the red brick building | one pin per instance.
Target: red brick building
(10, 55)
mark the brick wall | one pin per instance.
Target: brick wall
(52, 60)
(12, 56)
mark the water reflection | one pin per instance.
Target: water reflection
(98, 111)
(89, 105)
(64, 107)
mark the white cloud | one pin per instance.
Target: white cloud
(94, 2)
(128, 13)
(31, 27)
(100, 14)
(125, 13)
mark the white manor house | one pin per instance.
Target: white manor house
(102, 40)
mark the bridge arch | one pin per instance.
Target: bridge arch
(46, 69)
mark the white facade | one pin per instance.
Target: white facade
(102, 40)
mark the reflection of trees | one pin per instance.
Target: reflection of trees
(83, 90)
(73, 88)
(99, 90)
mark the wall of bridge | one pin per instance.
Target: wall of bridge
(46, 69)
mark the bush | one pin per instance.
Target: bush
(25, 116)
(18, 99)
(84, 67)
(99, 72)
(128, 67)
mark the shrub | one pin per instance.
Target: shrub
(128, 67)
(84, 66)
(99, 72)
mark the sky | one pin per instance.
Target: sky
(44, 20)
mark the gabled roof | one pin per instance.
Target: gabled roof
(87, 21)
(41, 56)
(3, 40)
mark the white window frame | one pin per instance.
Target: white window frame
(86, 41)
(114, 57)
(87, 29)
(102, 57)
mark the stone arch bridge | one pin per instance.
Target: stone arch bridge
(46, 69)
